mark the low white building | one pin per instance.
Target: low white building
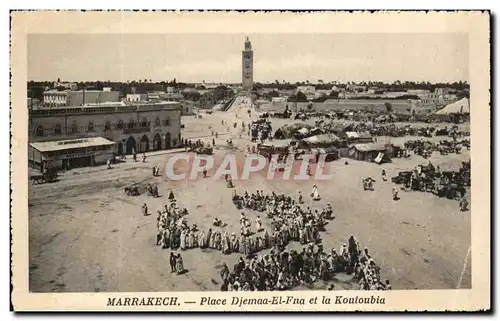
(55, 99)
(394, 94)
(309, 90)
(136, 97)
(278, 100)
(321, 93)
(419, 92)
(66, 85)
(65, 154)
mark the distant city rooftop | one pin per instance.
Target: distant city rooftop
(107, 107)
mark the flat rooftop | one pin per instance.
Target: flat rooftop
(108, 107)
(59, 145)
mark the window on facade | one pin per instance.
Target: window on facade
(119, 125)
(157, 121)
(107, 126)
(90, 127)
(57, 130)
(131, 124)
(40, 131)
(167, 121)
(74, 128)
(144, 122)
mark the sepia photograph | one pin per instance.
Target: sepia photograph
(251, 161)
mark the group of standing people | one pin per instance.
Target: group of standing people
(282, 269)
(290, 220)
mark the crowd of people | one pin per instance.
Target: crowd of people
(289, 222)
(393, 130)
(430, 178)
(425, 148)
(283, 269)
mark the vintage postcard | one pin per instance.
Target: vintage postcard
(250, 161)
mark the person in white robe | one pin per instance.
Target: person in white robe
(179, 264)
(258, 224)
(201, 239)
(191, 240)
(183, 240)
(464, 203)
(395, 193)
(226, 248)
(315, 194)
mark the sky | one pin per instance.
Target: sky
(437, 57)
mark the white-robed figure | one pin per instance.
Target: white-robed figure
(258, 224)
(315, 194)
(395, 193)
(464, 204)
(183, 240)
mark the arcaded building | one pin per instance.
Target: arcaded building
(138, 127)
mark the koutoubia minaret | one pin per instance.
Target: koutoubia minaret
(247, 66)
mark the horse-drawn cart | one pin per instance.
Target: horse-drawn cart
(204, 150)
(46, 177)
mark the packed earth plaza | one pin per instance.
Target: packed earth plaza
(374, 225)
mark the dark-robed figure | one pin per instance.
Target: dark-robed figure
(353, 254)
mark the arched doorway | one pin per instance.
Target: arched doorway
(131, 146)
(57, 130)
(120, 147)
(168, 141)
(74, 128)
(157, 142)
(40, 131)
(144, 143)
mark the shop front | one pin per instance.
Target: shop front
(70, 154)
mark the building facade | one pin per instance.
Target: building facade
(247, 66)
(57, 99)
(66, 154)
(64, 84)
(136, 98)
(138, 127)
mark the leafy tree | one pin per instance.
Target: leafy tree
(299, 97)
(274, 93)
(388, 107)
(334, 94)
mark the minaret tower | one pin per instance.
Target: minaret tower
(247, 66)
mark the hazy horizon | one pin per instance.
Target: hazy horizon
(216, 58)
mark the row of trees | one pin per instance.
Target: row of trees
(36, 88)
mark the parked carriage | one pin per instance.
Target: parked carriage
(132, 190)
(48, 176)
(204, 150)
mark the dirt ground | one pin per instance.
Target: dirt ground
(86, 235)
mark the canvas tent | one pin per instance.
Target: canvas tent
(324, 140)
(359, 137)
(303, 131)
(269, 148)
(458, 107)
(331, 153)
(368, 152)
(459, 110)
